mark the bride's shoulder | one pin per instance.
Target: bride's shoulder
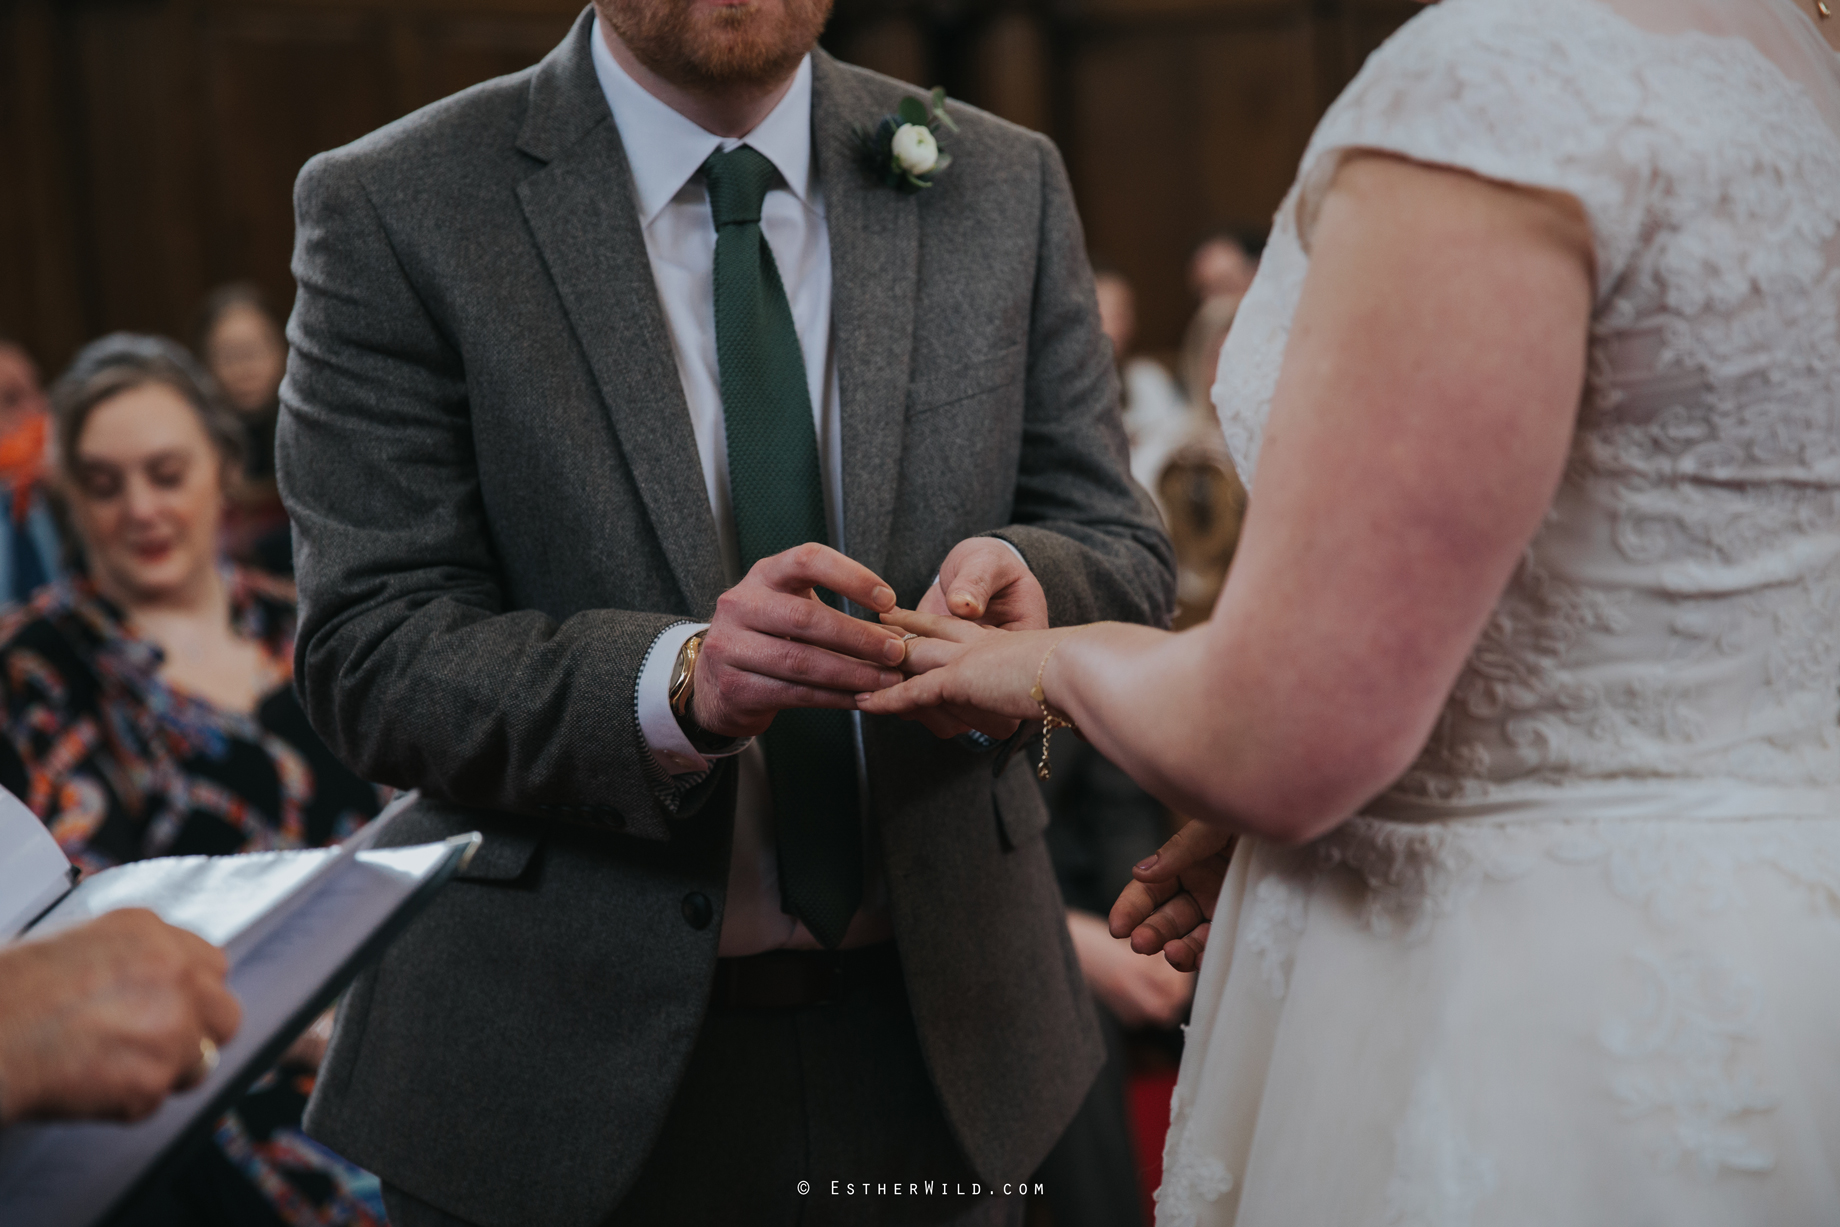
(1534, 93)
(1517, 29)
(1501, 53)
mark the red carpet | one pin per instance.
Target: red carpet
(1148, 1100)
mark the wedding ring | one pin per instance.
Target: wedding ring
(207, 1057)
(907, 639)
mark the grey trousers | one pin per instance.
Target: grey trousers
(833, 1099)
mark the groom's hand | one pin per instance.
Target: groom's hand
(1169, 906)
(983, 580)
(773, 644)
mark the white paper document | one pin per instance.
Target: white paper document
(297, 926)
(34, 871)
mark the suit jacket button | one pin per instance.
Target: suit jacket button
(698, 911)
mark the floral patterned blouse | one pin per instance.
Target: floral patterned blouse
(122, 766)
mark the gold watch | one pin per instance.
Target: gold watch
(683, 697)
(683, 677)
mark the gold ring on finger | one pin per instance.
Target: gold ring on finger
(208, 1056)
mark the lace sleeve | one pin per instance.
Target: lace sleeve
(1535, 93)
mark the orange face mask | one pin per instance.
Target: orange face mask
(22, 461)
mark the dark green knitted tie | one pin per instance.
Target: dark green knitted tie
(777, 493)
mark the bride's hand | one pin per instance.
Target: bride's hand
(966, 667)
(945, 720)
(1170, 906)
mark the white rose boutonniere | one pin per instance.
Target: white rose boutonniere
(903, 150)
(915, 149)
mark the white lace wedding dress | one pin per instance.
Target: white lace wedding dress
(1581, 966)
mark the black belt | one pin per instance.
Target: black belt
(797, 979)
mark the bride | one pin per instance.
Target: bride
(1523, 691)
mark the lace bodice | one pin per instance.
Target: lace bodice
(1678, 614)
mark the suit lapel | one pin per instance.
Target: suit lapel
(581, 210)
(875, 268)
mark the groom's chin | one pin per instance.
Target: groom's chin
(715, 44)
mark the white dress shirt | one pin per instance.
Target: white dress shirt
(666, 152)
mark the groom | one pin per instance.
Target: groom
(599, 371)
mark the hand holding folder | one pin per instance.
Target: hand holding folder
(104, 1021)
(294, 927)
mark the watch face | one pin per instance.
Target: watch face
(681, 674)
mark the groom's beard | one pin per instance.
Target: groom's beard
(701, 46)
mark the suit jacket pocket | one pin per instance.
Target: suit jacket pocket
(507, 854)
(504, 858)
(1021, 813)
(970, 379)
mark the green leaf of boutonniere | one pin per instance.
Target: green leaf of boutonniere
(911, 111)
(939, 108)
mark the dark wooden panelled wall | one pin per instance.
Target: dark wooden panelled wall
(148, 147)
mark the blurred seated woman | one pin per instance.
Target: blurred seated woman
(149, 712)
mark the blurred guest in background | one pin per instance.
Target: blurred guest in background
(1155, 415)
(1201, 345)
(103, 1021)
(242, 345)
(1103, 824)
(1197, 488)
(1223, 263)
(149, 712)
(30, 554)
(1204, 503)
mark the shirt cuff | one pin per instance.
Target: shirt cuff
(1013, 550)
(664, 737)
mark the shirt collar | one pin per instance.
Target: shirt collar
(666, 149)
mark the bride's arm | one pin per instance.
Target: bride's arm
(1419, 428)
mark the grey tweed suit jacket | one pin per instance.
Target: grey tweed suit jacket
(498, 505)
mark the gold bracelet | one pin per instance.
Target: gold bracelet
(1050, 719)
